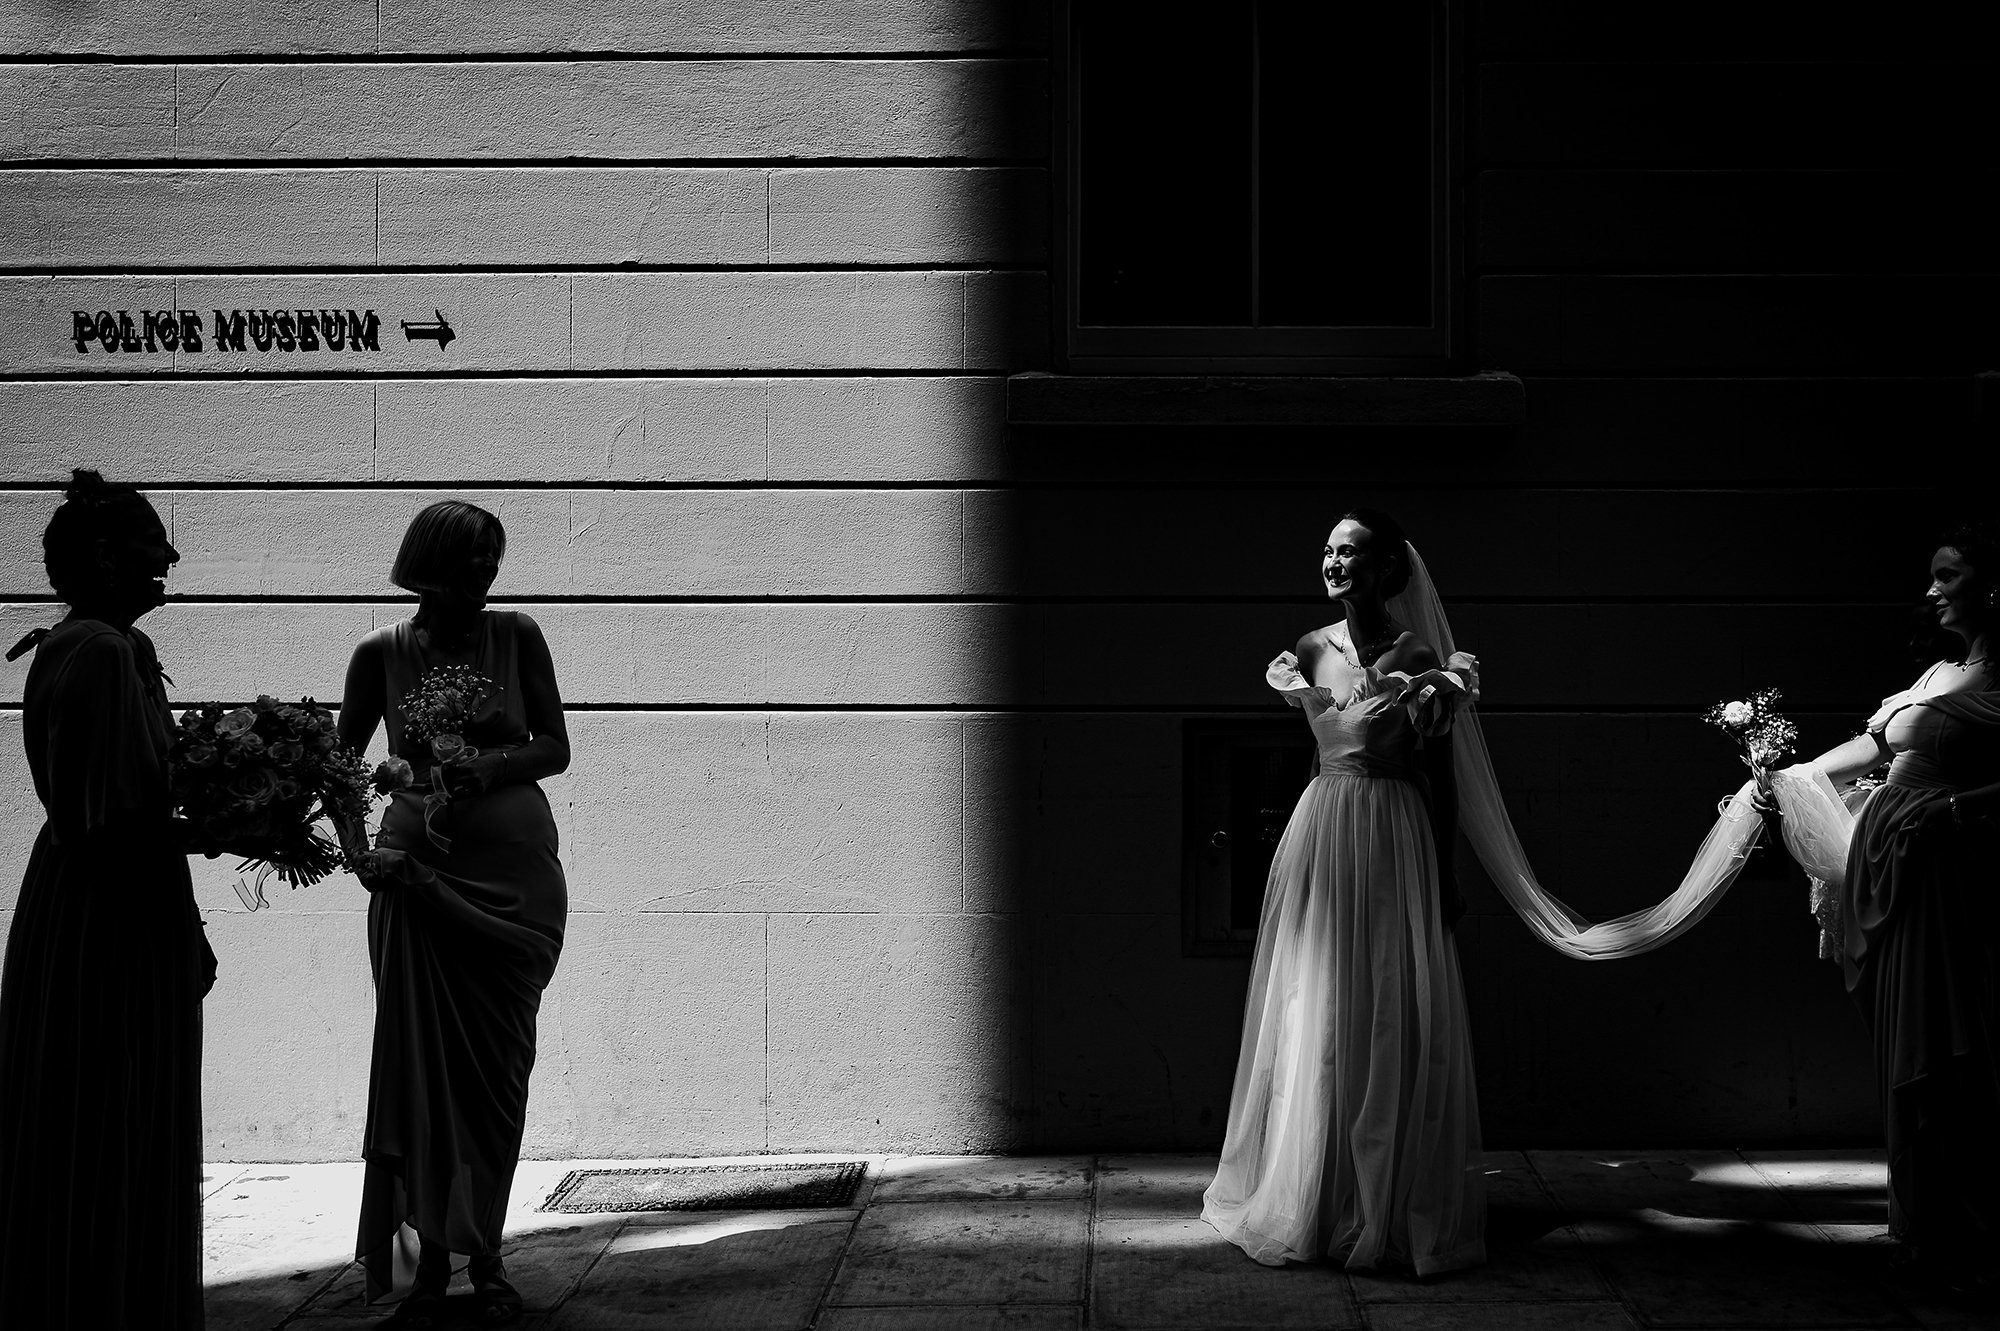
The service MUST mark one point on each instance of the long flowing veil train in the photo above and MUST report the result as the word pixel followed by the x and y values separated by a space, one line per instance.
pixel 1816 826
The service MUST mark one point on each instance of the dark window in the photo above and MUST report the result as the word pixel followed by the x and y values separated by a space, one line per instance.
pixel 1242 780
pixel 1267 182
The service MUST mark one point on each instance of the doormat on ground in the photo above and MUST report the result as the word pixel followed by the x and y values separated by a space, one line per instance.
pixel 774 1187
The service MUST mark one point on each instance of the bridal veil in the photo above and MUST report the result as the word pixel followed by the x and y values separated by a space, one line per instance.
pixel 1816 825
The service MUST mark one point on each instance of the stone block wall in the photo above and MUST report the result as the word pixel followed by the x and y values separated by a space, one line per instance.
pixel 733 289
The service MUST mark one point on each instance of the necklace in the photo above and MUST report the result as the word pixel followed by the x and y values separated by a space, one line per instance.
pixel 1364 652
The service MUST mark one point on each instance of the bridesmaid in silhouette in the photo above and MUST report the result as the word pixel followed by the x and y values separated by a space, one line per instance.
pixel 462 940
pixel 100 1005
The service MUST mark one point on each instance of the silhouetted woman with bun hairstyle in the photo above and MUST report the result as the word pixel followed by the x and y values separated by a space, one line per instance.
pixel 465 925
pixel 100 1005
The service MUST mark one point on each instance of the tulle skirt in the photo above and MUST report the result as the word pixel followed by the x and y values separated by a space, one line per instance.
pixel 1353 1127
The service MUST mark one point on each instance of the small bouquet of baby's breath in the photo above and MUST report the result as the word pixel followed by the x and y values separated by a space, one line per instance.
pixel 441 705
pixel 1764 735
pixel 437 711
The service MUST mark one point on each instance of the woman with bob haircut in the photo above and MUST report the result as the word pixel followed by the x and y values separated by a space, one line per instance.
pixel 465 923
pixel 100 1007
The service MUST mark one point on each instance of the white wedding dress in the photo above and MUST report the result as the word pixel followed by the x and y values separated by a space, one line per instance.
pixel 1353 1127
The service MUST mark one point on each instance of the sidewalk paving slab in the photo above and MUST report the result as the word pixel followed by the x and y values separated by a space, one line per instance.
pixel 730 1271
pixel 1503 1317
pixel 1704 1239
pixel 1532 1253
pixel 951 1319
pixel 972 1178
pixel 1153 1185
pixel 1177 1272
pixel 1577 1241
pixel 961 1252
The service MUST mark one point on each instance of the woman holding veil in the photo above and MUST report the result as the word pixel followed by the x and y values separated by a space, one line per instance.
pixel 1354 1121
pixel 1919 915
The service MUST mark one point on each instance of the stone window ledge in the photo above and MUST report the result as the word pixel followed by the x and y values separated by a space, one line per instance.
pixel 1494 398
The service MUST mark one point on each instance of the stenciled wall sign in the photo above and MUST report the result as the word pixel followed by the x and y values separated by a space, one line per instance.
pixel 120 332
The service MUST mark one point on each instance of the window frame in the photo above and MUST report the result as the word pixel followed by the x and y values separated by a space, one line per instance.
pixel 1101 349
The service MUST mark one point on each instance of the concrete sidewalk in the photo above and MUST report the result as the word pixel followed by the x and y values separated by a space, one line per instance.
pixel 1592 1240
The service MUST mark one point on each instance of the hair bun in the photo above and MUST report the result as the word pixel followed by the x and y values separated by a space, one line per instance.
pixel 86 486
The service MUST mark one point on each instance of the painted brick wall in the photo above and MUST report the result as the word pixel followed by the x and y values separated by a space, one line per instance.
pixel 734 288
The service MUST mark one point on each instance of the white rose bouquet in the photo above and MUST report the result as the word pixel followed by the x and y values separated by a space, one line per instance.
pixel 1765 736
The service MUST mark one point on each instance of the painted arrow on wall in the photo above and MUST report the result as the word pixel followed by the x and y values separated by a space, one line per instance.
pixel 439 332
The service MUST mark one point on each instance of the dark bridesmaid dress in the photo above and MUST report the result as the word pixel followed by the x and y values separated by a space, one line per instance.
pixel 100 1009
pixel 1921 921
pixel 461 955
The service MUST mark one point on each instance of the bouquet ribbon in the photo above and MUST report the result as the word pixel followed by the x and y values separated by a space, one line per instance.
pixel 436 802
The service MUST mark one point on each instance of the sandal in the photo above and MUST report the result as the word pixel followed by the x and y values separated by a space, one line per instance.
pixel 422 1309
pixel 495 1301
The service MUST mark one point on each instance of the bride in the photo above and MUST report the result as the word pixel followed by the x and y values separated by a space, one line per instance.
pixel 1353 1126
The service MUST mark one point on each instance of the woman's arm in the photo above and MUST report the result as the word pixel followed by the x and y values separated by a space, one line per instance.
pixel 1856 758
pixel 547 751
pixel 364 696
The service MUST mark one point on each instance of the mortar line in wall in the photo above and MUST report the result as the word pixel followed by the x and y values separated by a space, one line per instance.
pixel 964 807
pixel 1192 710
pixel 1133 600
pixel 767 1032
pixel 53 164
pixel 518 373
pixel 1473 430
pixel 972 266
pixel 992 55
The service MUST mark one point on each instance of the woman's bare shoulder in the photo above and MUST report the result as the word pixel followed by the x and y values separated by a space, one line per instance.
pixel 1316 641
pixel 374 645
pixel 1409 654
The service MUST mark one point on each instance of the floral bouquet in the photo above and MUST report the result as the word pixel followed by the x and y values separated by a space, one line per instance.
pixel 1815 829
pixel 437 710
pixel 265 775
pixel 1765 737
